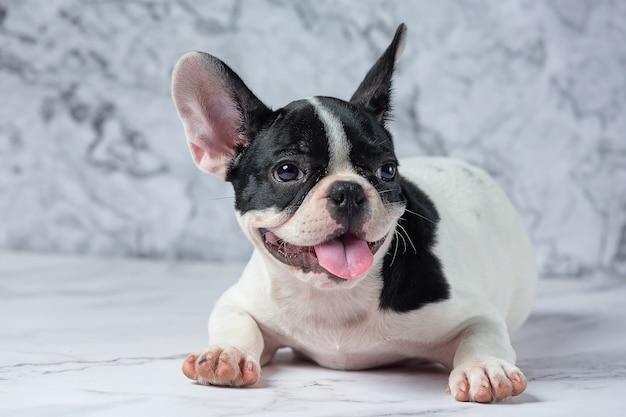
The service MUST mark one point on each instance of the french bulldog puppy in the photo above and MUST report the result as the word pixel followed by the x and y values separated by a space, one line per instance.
pixel 360 260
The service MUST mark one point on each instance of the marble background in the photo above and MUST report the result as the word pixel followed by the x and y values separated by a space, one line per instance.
pixel 93 158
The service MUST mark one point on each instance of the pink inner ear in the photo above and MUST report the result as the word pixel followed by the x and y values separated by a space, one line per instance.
pixel 208 112
pixel 201 157
pixel 211 127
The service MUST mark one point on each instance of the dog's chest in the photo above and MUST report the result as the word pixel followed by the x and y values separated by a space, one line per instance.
pixel 356 347
pixel 340 329
pixel 375 339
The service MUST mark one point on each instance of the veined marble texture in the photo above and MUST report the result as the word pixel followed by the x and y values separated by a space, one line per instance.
pixel 83 336
pixel 93 158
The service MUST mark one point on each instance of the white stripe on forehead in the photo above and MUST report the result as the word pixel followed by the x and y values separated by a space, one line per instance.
pixel 338 145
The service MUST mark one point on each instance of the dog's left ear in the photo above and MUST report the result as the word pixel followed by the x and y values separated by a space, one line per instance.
pixel 375 90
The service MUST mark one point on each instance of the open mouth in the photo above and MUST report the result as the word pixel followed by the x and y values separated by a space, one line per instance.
pixel 344 256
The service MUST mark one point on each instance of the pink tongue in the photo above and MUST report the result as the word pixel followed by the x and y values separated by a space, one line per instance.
pixel 346 257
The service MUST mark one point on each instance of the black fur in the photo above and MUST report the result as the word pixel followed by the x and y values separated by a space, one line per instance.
pixel 293 134
pixel 374 92
pixel 412 274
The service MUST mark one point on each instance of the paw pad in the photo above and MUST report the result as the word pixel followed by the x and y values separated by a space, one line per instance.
pixel 217 366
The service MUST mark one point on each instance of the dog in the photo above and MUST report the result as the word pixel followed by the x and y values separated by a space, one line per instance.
pixel 359 260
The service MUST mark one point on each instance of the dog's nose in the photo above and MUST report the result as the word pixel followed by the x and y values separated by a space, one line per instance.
pixel 347 198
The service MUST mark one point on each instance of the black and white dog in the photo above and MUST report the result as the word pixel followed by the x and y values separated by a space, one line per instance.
pixel 359 262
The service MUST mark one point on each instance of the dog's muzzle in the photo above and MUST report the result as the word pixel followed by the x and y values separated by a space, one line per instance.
pixel 344 256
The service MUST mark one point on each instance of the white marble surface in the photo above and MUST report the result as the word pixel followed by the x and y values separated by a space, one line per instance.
pixel 93 159
pixel 97 337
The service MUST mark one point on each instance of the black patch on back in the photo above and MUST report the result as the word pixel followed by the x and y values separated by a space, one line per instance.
pixel 413 277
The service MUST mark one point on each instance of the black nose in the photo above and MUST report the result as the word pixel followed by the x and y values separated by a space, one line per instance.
pixel 347 199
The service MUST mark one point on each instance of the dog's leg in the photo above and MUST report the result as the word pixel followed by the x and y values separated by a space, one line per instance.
pixel 234 357
pixel 483 365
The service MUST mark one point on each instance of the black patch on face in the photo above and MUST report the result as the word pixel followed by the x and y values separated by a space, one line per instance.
pixel 413 278
pixel 294 135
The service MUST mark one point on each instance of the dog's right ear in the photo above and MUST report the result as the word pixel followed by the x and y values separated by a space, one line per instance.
pixel 218 111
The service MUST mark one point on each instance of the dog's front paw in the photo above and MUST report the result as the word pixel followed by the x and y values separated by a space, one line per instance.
pixel 486 380
pixel 217 366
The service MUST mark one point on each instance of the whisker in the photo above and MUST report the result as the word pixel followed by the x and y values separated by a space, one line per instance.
pixel 408 237
pixel 384 191
pixel 222 198
pixel 419 215
pixel 403 239
pixel 395 249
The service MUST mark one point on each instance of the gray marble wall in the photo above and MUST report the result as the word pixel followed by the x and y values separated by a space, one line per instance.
pixel 93 158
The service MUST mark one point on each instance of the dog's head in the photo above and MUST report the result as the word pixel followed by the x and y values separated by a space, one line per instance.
pixel 316 182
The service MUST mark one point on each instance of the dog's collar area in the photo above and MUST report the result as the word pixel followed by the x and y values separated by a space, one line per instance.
pixel 343 256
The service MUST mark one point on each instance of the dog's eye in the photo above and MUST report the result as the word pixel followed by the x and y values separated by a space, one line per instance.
pixel 288 172
pixel 387 172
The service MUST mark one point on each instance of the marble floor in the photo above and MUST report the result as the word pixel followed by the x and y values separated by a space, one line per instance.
pixel 97 337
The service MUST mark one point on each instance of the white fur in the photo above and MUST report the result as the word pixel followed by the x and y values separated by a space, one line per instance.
pixel 338 145
pixel 487 260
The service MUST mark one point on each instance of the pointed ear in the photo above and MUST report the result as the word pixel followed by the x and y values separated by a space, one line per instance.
pixel 218 111
pixel 374 92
